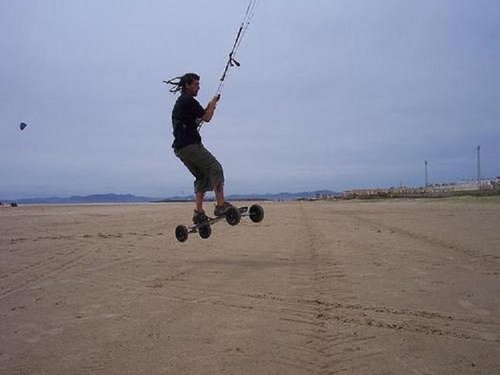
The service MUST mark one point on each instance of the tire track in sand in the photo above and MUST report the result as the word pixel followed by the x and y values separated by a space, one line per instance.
pixel 26 276
pixel 475 254
pixel 316 274
pixel 74 253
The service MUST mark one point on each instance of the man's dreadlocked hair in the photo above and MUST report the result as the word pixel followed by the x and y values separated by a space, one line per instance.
pixel 179 83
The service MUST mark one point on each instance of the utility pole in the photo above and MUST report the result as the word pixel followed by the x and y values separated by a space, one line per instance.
pixel 478 166
pixel 426 184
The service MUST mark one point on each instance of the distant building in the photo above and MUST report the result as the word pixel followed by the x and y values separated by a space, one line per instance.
pixel 431 189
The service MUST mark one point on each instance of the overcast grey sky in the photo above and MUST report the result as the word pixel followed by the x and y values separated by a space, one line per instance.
pixel 330 94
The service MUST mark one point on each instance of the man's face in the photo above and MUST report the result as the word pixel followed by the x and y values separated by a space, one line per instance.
pixel 193 88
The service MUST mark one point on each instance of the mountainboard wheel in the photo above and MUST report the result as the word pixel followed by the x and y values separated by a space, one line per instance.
pixel 205 231
pixel 181 233
pixel 233 216
pixel 256 213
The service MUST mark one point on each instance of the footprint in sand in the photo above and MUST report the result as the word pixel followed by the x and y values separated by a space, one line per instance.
pixel 465 304
pixel 469 306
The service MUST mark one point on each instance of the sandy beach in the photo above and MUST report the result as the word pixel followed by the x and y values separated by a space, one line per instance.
pixel 382 287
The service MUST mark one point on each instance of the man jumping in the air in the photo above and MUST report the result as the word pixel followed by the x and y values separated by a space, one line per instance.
pixel 186 116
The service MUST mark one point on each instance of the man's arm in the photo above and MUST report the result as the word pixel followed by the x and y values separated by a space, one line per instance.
pixel 209 111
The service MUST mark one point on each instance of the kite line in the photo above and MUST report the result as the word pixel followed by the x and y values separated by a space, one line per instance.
pixel 231 61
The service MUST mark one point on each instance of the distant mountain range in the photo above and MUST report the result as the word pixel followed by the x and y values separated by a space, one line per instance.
pixel 263 197
pixel 96 198
pixel 129 198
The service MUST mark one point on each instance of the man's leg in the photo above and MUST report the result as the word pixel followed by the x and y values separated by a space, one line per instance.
pixel 222 206
pixel 199 201
pixel 188 156
pixel 219 193
pixel 209 176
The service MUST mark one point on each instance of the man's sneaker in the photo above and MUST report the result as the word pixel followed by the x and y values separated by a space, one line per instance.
pixel 199 217
pixel 222 210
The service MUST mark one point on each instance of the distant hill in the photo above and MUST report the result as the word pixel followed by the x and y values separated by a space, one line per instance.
pixel 129 198
pixel 263 197
pixel 284 196
pixel 96 198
